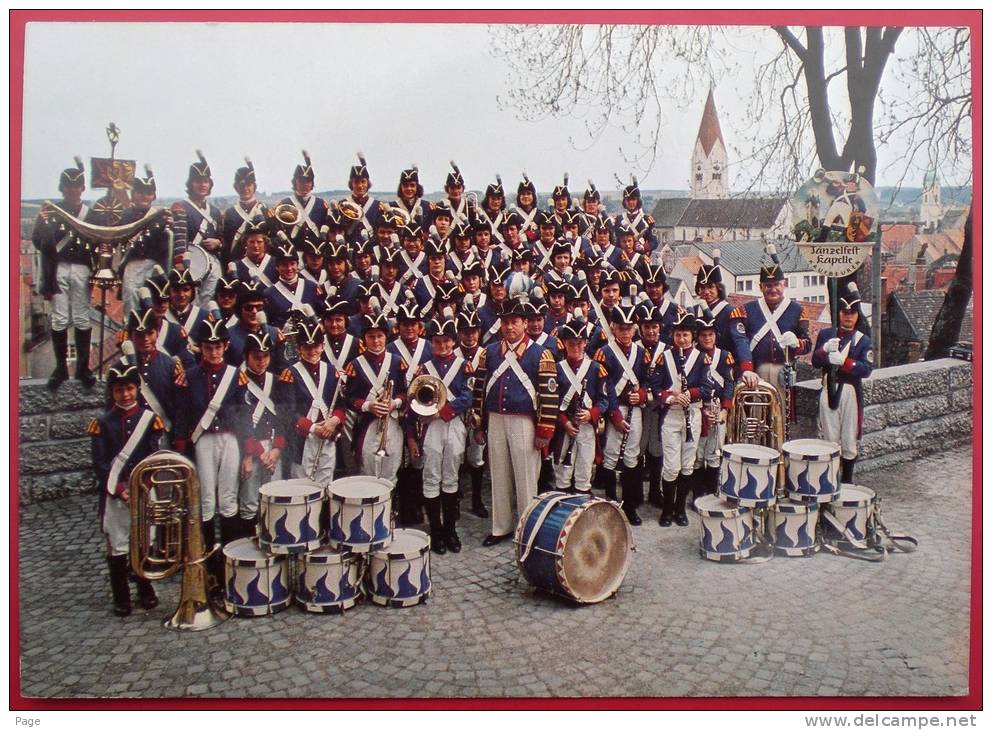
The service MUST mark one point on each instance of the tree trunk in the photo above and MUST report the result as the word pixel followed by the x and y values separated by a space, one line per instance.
pixel 947 326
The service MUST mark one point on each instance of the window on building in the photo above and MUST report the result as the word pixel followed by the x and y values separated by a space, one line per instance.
pixel 699 177
pixel 716 175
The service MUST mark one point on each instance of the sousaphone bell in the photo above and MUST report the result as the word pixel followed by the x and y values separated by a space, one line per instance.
pixel 427 395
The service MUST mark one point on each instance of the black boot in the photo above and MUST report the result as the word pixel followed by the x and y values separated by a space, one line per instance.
pixel 146 593
pixel 83 374
pixel 653 468
pixel 60 346
pixel 409 490
pixel 449 507
pixel 599 478
pixel 711 478
pixel 117 565
pixel 247 527
pixel 668 503
pixel 230 529
pixel 432 507
pixel 683 485
pixel 207 528
pixel 847 470
pixel 478 508
pixel 632 493
pixel 609 482
pixel 545 477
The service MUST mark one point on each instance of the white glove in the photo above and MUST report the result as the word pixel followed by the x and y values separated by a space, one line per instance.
pixel 832 345
pixel 836 358
pixel 789 339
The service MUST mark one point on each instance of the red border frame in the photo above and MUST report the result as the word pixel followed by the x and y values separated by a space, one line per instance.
pixel 970 18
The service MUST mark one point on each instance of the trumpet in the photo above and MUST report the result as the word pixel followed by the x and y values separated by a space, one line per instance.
pixel 383 399
pixel 166 536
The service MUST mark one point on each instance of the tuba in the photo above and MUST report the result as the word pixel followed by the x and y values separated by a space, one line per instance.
pixel 756 416
pixel 166 536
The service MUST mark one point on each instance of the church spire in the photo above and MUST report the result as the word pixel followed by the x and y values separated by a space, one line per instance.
pixel 709 127
pixel 709 156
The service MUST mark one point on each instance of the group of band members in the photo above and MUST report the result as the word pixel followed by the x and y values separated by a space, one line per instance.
pixel 564 362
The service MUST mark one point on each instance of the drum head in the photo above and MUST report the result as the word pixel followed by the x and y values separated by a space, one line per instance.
pixel 291 488
pixel 597 552
pixel 407 543
pixel 197 262
pixel 245 549
pixel 853 495
pixel 362 490
pixel 811 449
pixel 714 506
pixel 752 453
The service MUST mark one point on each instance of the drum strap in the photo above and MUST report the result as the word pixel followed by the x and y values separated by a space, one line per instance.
pixel 263 395
pixel 214 405
pixel 627 364
pixel 575 383
pixel 548 506
pixel 130 445
pixel 510 362
pixel 771 321
pixel 318 406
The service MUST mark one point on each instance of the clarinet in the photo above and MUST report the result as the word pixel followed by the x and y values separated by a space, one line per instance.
pixel 573 409
pixel 684 384
pixel 626 435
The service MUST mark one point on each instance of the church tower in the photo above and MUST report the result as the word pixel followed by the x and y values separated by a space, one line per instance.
pixel 708 176
pixel 931 211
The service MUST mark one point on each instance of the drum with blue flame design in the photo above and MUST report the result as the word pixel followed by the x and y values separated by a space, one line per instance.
pixel 574 545
pixel 794 528
pixel 328 581
pixel 255 583
pixel 289 516
pixel 848 518
pixel 726 531
pixel 400 575
pixel 747 474
pixel 360 514
pixel 812 469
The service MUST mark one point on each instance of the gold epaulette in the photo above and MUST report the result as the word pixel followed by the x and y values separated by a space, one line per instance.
pixel 730 359
pixel 599 357
pixel 602 372
pixel 286 376
pixel 93 427
pixel 242 378
pixel 158 424
pixel 349 369
pixel 738 313
pixel 178 369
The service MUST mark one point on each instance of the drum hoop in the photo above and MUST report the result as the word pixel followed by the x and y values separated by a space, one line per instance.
pixel 865 501
pixel 749 503
pixel 794 508
pixel 795 456
pixel 361 501
pixel 295 499
pixel 731 511
pixel 754 460
pixel 196 248
pixel 566 528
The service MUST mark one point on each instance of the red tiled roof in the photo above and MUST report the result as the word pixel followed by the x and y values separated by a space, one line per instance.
pixel 709 127
pixel 897 235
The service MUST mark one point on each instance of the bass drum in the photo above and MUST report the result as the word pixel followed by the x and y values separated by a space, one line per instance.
pixel 574 545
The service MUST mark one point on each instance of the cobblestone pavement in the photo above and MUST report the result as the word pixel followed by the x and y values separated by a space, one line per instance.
pixel 679 626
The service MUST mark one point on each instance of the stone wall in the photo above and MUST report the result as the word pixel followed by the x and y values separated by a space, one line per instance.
pixel 53 448
pixel 910 411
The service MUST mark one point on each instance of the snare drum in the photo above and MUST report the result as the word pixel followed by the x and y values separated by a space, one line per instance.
pixel 197 262
pixel 847 519
pixel 794 533
pixel 747 474
pixel 725 530
pixel 255 583
pixel 812 469
pixel 400 575
pixel 574 545
pixel 327 580
pixel 289 516
pixel 361 514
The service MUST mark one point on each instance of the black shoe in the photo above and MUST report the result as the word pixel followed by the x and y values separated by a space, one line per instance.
pixel 146 594
pixel 665 520
pixel 121 589
pixel 681 520
pixel 683 487
pixel 494 540
pixel 432 507
pixel 450 514
pixel 632 517
pixel 478 508
pixel 58 376
pixel 60 347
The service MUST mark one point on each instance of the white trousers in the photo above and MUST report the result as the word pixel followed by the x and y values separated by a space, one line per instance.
pixel 513 467
pixel 394 450
pixel 583 455
pixel 248 491
pixel 632 449
pixel 71 306
pixel 770 372
pixel 474 453
pixel 218 461
pixel 650 437
pixel 136 273
pixel 708 453
pixel 117 525
pixel 324 471
pixel 444 449
pixel 840 426
pixel 679 455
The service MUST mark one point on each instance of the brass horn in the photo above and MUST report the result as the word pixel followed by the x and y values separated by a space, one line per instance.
pixel 166 536
pixel 287 214
pixel 101 234
pixel 756 416
pixel 427 395
pixel 351 211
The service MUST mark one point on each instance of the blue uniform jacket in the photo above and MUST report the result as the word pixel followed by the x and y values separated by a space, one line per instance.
pixel 748 320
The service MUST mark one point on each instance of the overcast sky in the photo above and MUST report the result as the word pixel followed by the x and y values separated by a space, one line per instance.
pixel 400 93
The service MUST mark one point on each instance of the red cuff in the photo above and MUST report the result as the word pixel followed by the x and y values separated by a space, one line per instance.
pixel 663 396
pixel 544 432
pixel 594 414
pixel 180 445
pixel 446 413
pixel 642 396
pixel 120 489
pixel 339 414
pixel 303 425
pixel 616 417
pixel 253 447
pixel 279 442
pixel 563 418
pixel 694 394
pixel 726 404
pixel 747 366
pixel 848 366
